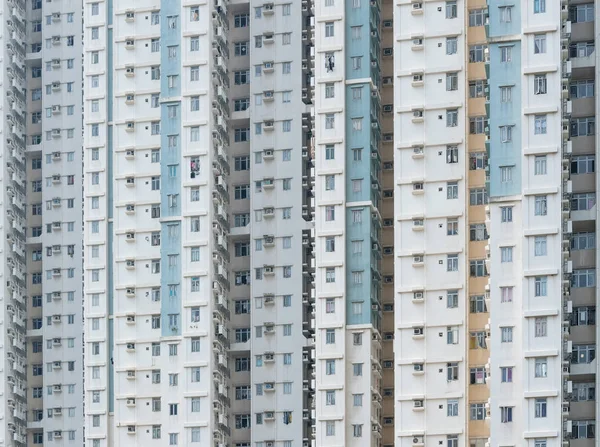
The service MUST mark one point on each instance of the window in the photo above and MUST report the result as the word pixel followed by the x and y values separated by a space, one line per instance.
pixel 583 127
pixel 477 17
pixel 506 334
pixel 478 232
pixel 477 375
pixel 506 294
pixel 506 94
pixel 505 14
pixel 583 354
pixel 583 164
pixel 357 369
pixel 451 9
pixel 478 196
pixel 241 48
pixel 582 89
pixel 451 371
pixel 451 335
pixel 539 7
pixel 506 414
pixel 329 428
pixel 477 88
pixel 541 407
pixel 452 190
pixel 451 118
pixel 477 412
pixel 581 13
pixel 451 81
pixel 541 286
pixel 330 275
pixel 506 254
pixel 506 134
pixel 506 374
pixel 584 429
pixel 583 201
pixel 583 278
pixel 477 268
pixel 329 29
pixel 506 174
pixel 505 54
pixel 241 77
pixel 540 245
pixel 451 45
pixel 477 304
pixel 452 263
pixel 477 160
pixel 540 124
pixel 541 205
pixel 584 391
pixel 452 227
pixel 477 125
pixel 540 84
pixel 541 367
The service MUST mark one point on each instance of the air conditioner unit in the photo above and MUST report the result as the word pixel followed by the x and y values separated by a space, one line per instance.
pixel 56 16
pixel 56 155
pixel 130 208
pixel 418 367
pixel 418 404
pixel 417 5
pixel 56 365
pixel 269 415
pixel 130 180
pixel 388 108
pixel 418 186
pixel 130 346
pixel 131 374
pixel 130 125
pixel 269 386
pixel 418 113
pixel 418 440
pixel 129 15
pixel 418 295
pixel 268 65
pixel 269 444
pixel 57 411
pixel 56 132
pixel 130 153
pixel 56 40
pixel 56 318
pixel 130 235
pixel 129 42
pixel 418 259
pixel 131 429
pixel 388 279
pixel 269 356
pixel 56 249
pixel 130 263
pixel 269 269
pixel 130 319
pixel 56 86
pixel 268 153
pixel 130 70
pixel 130 402
pixel 129 98
pixel 417 77
pixel 56 341
pixel 55 109
pixel 57 434
pixel 56 63
pixel 417 331
pixel 130 291
pixel 388 80
pixel 57 388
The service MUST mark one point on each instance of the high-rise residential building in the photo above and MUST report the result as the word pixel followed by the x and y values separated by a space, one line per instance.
pixel 495 203
pixel 43 140
pixel 348 221
pixel 198 233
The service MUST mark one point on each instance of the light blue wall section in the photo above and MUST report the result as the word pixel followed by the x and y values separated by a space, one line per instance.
pixel 360 103
pixel 170 172
pixel 504 74
pixel 501 28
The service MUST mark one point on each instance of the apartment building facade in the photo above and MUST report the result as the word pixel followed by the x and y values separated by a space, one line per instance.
pixel 47 147
pixel 519 285
pixel 348 223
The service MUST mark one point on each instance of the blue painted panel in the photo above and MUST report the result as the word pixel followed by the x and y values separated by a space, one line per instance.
pixel 498 25
pixel 170 164
pixel 505 113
